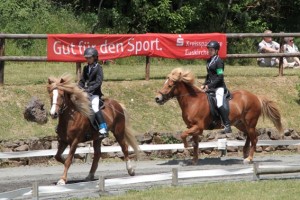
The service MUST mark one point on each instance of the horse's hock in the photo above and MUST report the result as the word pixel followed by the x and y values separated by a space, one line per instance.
pixel 35 111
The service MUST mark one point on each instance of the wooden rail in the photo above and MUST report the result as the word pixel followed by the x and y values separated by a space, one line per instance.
pixel 265 169
pixel 147 68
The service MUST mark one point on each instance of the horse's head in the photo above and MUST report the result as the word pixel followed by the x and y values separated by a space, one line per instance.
pixel 171 87
pixel 167 92
pixel 57 98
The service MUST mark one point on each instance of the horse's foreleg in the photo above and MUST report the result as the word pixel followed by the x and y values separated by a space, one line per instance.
pixel 196 149
pixel 193 130
pixel 97 154
pixel 61 148
pixel 68 163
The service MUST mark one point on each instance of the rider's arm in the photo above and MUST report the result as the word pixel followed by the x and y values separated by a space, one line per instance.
pixel 98 82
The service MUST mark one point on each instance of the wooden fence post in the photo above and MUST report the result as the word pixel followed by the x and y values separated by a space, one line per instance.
pixel 88 157
pixel 174 176
pixel 35 190
pixel 255 172
pixel 2 53
pixel 102 184
pixel 147 76
pixel 281 58
pixel 78 71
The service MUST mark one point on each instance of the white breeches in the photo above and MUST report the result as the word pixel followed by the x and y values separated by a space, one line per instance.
pixel 95 103
pixel 219 96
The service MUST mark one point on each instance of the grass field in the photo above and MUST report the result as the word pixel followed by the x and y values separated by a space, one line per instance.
pixel 273 190
pixel 125 83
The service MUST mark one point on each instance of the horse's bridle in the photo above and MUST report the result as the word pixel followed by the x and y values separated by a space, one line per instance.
pixel 166 97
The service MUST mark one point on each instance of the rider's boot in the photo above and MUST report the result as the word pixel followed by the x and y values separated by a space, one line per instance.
pixel 103 130
pixel 226 121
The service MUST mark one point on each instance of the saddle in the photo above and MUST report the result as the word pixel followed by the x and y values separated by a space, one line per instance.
pixel 212 101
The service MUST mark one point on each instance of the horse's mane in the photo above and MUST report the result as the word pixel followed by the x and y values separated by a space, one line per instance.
pixel 79 98
pixel 181 75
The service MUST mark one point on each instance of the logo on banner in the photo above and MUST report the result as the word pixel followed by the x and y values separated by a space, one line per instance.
pixel 179 41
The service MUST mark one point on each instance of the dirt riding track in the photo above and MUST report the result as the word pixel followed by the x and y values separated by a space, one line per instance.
pixel 22 177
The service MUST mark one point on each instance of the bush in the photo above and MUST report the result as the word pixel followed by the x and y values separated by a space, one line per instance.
pixel 35 16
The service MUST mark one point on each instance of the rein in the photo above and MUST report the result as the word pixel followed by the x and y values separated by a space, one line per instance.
pixel 167 97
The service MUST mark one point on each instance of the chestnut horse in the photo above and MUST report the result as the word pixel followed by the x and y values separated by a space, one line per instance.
pixel 72 107
pixel 245 109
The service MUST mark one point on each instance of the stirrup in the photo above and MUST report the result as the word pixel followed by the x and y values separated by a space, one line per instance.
pixel 227 129
pixel 103 133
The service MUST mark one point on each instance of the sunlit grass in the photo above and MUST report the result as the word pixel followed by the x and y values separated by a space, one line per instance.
pixel 29 79
pixel 273 190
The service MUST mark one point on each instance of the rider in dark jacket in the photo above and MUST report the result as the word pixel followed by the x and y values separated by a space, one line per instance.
pixel 91 81
pixel 215 81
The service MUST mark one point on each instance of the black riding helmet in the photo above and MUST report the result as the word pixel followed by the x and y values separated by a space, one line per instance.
pixel 213 44
pixel 91 52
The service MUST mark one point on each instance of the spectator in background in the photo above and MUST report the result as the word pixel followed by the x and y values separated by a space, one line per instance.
pixel 290 47
pixel 267 45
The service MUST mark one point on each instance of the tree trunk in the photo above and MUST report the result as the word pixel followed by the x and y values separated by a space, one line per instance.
pixel 224 25
pixel 97 24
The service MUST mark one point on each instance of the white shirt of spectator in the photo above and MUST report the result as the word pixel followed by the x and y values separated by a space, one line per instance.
pixel 267 61
pixel 290 49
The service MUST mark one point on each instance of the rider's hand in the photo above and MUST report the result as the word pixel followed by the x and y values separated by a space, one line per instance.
pixel 204 87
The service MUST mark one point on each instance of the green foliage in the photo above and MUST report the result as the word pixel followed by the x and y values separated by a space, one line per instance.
pixel 35 16
pixel 142 16
pixel 170 140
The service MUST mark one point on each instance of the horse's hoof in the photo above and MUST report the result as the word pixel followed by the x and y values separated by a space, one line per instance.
pixel 90 178
pixel 190 162
pixel 194 162
pixel 131 172
pixel 247 161
pixel 61 182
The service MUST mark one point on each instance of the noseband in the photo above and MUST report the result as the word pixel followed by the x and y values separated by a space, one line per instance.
pixel 166 97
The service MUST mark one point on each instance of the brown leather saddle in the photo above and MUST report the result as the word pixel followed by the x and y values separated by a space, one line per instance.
pixel 212 101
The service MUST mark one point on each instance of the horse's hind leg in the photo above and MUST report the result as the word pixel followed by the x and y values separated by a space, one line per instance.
pixel 251 121
pixel 119 134
pixel 253 138
pixel 97 154
pixel 246 147
pixel 61 148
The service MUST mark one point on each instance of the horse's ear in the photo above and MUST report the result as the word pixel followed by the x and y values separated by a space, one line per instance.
pixel 50 81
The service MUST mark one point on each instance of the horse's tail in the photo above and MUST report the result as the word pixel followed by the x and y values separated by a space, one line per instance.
pixel 129 136
pixel 270 109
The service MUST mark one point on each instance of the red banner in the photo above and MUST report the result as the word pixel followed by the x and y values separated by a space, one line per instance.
pixel 70 47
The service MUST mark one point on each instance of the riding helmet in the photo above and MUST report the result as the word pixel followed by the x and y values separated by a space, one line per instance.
pixel 90 52
pixel 213 44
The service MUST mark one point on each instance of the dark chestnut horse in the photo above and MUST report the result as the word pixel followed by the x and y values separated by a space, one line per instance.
pixel 245 109
pixel 72 107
